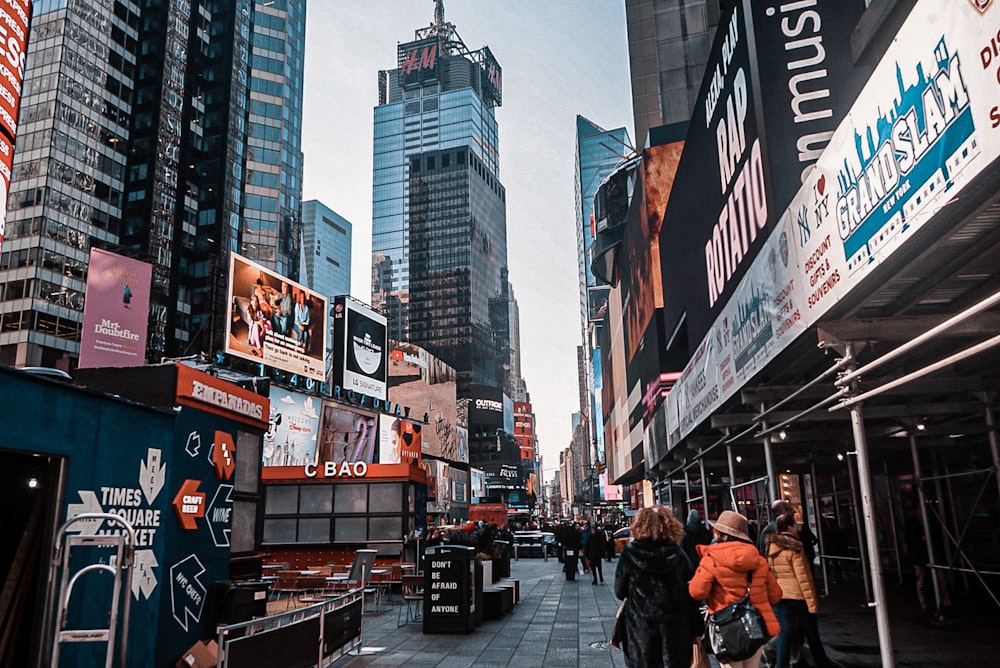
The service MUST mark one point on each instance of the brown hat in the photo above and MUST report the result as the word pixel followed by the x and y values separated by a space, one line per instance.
pixel 732 524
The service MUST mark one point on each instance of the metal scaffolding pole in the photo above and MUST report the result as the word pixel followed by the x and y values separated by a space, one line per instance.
pixel 732 473
pixel 925 520
pixel 772 478
pixel 874 562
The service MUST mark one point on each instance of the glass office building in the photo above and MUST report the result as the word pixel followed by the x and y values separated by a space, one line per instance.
pixel 134 138
pixel 439 239
pixel 598 152
pixel 326 243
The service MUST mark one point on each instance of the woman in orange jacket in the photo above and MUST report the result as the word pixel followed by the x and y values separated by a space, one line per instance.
pixel 786 555
pixel 721 577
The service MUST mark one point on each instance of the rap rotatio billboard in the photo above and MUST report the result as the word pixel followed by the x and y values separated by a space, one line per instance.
pixel 777 81
pixel 926 124
pixel 275 320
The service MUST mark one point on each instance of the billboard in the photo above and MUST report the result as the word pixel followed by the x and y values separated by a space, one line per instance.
pixel 524 429
pixel 275 321
pixel 924 127
pixel 399 440
pixel 418 61
pixel 360 357
pixel 293 432
pixel 768 103
pixel 597 302
pixel 486 407
pixel 347 435
pixel 116 311
pixel 417 378
pixel 14 15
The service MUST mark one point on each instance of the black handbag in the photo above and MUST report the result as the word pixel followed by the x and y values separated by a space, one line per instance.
pixel 736 631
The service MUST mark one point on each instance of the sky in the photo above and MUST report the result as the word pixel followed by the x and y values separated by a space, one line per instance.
pixel 560 59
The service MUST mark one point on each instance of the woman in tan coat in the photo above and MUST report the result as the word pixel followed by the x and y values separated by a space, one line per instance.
pixel 786 556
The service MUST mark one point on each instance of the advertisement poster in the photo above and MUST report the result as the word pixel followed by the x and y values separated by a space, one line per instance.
pixel 347 435
pixel 116 313
pixel 275 321
pixel 399 440
pixel 925 125
pixel 292 439
pixel 418 379
pixel 360 348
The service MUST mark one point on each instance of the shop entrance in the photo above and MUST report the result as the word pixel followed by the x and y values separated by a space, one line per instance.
pixel 29 488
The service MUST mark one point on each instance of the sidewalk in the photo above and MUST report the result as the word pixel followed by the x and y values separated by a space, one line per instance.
pixel 560 623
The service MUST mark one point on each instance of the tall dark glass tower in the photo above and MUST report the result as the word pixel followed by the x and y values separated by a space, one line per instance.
pixel 439 212
pixel 164 131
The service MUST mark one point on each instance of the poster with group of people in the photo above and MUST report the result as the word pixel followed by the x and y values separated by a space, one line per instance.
pixel 276 321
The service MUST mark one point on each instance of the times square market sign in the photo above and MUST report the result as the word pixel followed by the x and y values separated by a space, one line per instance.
pixel 926 124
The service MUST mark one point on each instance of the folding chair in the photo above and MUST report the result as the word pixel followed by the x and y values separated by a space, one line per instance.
pixel 413 599
pixel 287 583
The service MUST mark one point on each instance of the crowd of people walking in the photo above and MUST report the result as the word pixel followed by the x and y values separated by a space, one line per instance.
pixel 671 576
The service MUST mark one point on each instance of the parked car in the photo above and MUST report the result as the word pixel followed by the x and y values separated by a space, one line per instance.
pixel 621 537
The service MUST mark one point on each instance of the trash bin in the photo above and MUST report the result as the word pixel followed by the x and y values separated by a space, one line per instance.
pixel 449 589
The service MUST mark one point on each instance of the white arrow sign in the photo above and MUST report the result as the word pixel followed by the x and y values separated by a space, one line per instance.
pixel 193 445
pixel 152 475
pixel 144 577
pixel 220 515
pixel 90 505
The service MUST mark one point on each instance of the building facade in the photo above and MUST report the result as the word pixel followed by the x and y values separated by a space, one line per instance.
pixel 436 108
pixel 326 245
pixel 134 139
pixel 598 151
pixel 668 46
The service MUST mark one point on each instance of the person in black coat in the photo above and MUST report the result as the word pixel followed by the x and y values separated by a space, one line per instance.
pixel 659 620
pixel 572 549
pixel 695 533
pixel 596 545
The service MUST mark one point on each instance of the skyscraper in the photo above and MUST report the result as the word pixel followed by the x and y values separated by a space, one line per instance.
pixel 134 138
pixel 668 46
pixel 326 244
pixel 598 151
pixel 439 235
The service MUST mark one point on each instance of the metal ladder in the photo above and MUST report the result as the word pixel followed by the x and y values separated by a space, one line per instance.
pixel 124 545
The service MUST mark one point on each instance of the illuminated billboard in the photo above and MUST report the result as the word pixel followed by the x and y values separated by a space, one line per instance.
pixel 14 16
pixel 116 313
pixel 294 429
pixel 347 435
pixel 399 440
pixel 417 378
pixel 359 348
pixel 275 321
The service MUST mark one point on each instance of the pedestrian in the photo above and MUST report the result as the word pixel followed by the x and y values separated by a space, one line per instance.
pixel 723 572
pixel 781 507
pixel 584 533
pixel 660 621
pixel 609 542
pixel 695 533
pixel 571 552
pixel 799 603
pixel 919 554
pixel 596 545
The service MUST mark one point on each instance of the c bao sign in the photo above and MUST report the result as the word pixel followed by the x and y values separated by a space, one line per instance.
pixel 337 470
